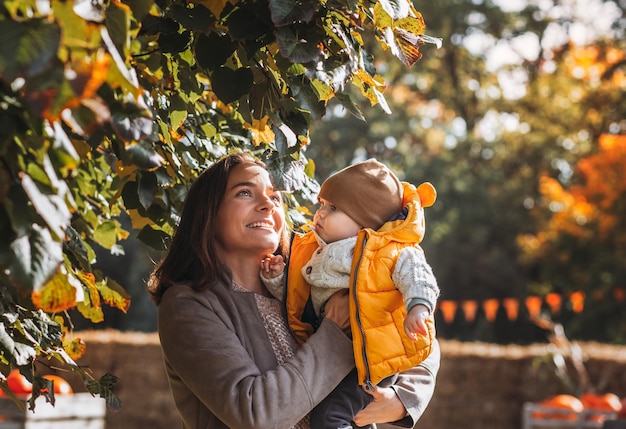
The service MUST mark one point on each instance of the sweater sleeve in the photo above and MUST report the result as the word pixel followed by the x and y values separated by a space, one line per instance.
pixel 221 366
pixel 274 285
pixel 414 277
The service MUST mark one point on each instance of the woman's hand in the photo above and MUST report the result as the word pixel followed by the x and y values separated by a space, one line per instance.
pixel 385 407
pixel 337 309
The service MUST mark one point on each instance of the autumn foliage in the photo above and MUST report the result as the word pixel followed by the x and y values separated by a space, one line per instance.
pixel 581 219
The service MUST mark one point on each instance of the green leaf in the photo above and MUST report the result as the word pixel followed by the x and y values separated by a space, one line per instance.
pixel 52 208
pixel 147 189
pixel 118 23
pixel 106 234
pixel 299 42
pixel 153 25
pixel 144 156
pixel 286 12
pixel 36 258
pixel 27 48
pixel 175 42
pixel 154 238
pixel 132 126
pixel 196 18
pixel 287 173
pixel 230 85
pixel 308 99
pixel 347 102
pixel 104 388
pixel 250 21
pixel 139 8
pixel 75 246
pixel 130 195
pixel 213 50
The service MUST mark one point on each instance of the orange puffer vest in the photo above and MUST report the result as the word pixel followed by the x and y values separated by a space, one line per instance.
pixel 377 309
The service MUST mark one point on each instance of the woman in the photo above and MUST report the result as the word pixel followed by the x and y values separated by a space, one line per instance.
pixel 230 360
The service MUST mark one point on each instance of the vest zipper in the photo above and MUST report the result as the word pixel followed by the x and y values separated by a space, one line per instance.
pixel 368 380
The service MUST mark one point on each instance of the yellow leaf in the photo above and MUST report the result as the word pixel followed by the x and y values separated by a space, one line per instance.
pixel 324 92
pixel 124 170
pixel 261 132
pixel 93 314
pixel 92 297
pixel 74 348
pixel 381 17
pixel 57 295
pixel 114 295
pixel 137 220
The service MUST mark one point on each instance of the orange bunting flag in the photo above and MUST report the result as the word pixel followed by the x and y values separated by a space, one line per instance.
pixel 578 301
pixel 554 301
pixel 533 305
pixel 511 305
pixel 490 307
pixel 469 309
pixel 618 294
pixel 448 308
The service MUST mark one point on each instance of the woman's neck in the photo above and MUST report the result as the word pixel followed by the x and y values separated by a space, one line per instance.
pixel 246 273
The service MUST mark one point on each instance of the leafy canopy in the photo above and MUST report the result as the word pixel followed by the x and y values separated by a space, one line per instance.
pixel 109 109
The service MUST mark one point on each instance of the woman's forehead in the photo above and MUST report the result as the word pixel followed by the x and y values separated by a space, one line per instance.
pixel 250 173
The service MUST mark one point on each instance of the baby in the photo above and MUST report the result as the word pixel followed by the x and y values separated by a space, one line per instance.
pixel 364 203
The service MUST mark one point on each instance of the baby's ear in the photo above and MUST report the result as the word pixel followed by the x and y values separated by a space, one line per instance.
pixel 427 194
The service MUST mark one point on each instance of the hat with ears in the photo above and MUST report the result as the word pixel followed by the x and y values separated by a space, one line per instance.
pixel 368 192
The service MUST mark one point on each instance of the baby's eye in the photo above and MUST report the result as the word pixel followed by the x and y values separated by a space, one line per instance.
pixel 277 199
pixel 333 208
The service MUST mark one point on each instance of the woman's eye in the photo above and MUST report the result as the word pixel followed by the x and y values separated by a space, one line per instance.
pixel 244 192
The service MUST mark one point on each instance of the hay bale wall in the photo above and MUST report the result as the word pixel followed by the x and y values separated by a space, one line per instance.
pixel 480 386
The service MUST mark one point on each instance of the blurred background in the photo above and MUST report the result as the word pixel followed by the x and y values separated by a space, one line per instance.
pixel 519 121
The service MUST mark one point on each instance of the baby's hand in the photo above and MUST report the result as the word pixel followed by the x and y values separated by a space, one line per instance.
pixel 415 322
pixel 272 266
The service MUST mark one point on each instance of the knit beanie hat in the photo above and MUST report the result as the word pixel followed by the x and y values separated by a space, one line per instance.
pixel 368 192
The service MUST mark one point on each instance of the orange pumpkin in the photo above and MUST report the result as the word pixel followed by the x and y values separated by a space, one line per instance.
pixel 621 414
pixel 18 383
pixel 601 402
pixel 61 386
pixel 568 405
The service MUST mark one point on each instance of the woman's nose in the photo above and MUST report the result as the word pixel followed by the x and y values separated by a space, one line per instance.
pixel 267 203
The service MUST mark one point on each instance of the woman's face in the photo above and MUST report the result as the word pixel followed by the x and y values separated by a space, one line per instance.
pixel 250 219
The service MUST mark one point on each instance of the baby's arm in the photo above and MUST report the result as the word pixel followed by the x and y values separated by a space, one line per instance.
pixel 415 322
pixel 272 268
pixel 414 277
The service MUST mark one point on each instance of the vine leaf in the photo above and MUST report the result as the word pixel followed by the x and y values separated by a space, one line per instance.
pixel 286 12
pixel 230 85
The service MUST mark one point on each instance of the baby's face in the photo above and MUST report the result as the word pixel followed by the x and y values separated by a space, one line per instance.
pixel 332 224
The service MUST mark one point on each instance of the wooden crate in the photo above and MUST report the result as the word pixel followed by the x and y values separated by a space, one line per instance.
pixel 584 420
pixel 77 411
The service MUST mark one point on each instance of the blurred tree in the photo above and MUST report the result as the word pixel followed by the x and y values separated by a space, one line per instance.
pixel 515 94
pixel 581 242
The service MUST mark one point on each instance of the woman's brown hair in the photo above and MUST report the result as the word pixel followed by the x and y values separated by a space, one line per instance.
pixel 191 257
